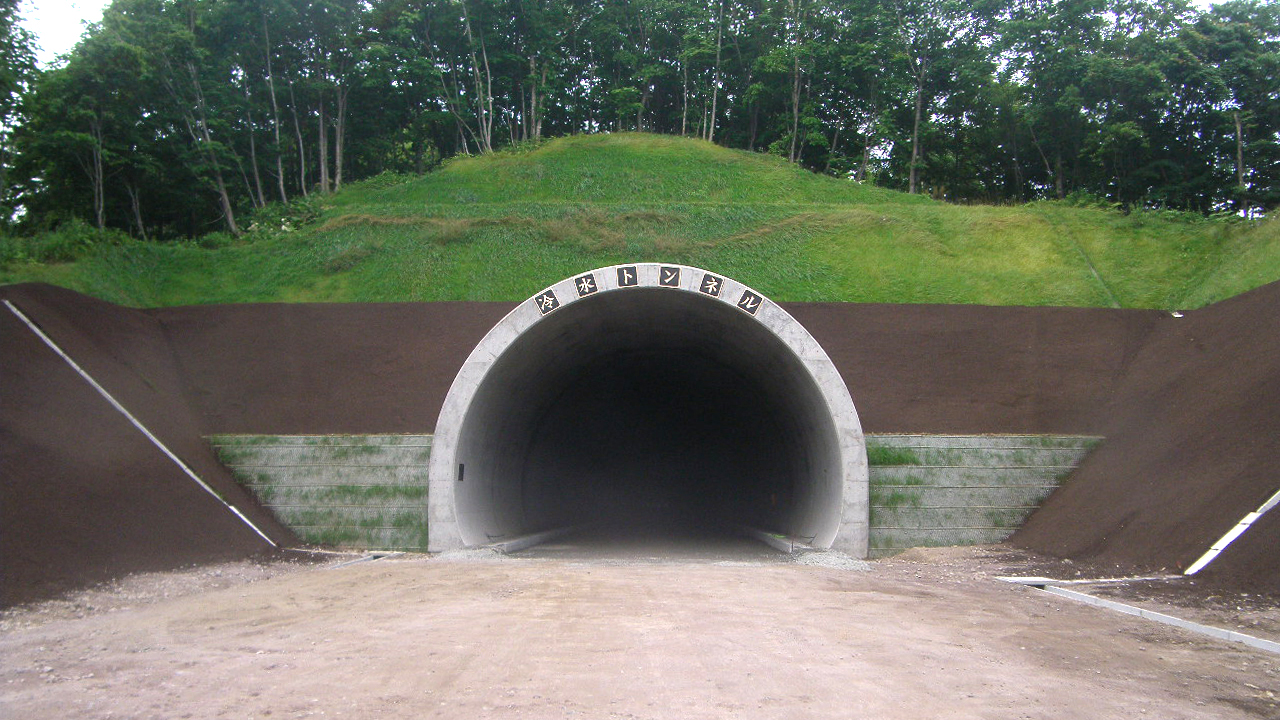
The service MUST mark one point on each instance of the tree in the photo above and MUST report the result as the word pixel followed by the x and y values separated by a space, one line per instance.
pixel 17 73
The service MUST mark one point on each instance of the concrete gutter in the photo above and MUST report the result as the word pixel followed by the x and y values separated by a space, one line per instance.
pixel 776 541
pixel 367 558
pixel 1052 586
pixel 525 542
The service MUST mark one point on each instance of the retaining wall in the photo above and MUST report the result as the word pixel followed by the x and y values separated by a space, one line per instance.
pixel 347 491
pixel 365 492
pixel 935 490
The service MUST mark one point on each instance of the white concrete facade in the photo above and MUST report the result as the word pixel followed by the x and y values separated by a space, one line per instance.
pixel 835 511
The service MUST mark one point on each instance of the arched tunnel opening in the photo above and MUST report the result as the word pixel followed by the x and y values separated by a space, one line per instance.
pixel 647 411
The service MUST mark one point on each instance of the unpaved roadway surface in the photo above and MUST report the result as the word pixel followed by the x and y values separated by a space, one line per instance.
pixel 928 635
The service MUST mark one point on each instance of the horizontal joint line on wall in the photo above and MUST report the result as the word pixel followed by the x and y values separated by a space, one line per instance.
pixel 978 449
pixel 367 506
pixel 331 484
pixel 269 445
pixel 236 466
pixel 956 507
pixel 975 467
pixel 936 529
pixel 968 487
pixel 410 528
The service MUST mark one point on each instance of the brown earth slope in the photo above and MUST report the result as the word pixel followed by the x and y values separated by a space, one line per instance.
pixel 323 368
pixel 1193 433
pixel 84 496
pixel 911 368
pixel 1188 406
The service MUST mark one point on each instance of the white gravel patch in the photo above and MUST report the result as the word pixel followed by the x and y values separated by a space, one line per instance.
pixel 832 559
pixel 474 554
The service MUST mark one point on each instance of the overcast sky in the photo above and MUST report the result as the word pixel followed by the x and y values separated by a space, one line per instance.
pixel 58 24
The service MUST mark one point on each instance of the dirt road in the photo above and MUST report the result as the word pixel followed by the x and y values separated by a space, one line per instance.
pixel 932 635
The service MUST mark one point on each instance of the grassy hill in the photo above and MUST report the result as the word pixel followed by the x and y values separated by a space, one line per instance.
pixel 503 226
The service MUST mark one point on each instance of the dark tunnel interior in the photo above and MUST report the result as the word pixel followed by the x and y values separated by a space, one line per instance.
pixel 647 411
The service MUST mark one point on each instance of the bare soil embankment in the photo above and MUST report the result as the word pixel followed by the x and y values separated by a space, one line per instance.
pixel 84 496
pixel 1187 405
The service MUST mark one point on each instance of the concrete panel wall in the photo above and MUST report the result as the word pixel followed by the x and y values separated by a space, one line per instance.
pixel 369 492
pixel 358 492
pixel 933 490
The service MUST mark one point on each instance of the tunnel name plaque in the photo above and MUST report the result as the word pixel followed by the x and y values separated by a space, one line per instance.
pixel 634 276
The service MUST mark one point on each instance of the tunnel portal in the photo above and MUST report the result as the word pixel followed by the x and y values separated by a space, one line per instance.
pixel 648 396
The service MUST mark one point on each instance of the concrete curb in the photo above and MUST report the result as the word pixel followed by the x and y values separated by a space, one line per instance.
pixel 777 542
pixel 527 541
pixel 1049 586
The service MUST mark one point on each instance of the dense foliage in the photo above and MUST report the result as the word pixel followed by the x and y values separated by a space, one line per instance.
pixel 177 117
pixel 17 70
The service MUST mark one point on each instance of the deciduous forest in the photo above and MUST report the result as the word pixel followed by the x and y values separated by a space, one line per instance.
pixel 174 118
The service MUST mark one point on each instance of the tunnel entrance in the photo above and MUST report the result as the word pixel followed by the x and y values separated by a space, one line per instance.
pixel 647 399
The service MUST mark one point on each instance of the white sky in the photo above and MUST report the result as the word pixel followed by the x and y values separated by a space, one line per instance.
pixel 58 24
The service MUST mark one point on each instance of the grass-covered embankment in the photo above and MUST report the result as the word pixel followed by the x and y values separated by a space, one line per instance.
pixel 503 226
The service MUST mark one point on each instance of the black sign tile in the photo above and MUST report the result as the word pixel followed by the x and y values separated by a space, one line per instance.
pixel 750 302
pixel 628 277
pixel 547 302
pixel 711 285
pixel 586 285
pixel 669 276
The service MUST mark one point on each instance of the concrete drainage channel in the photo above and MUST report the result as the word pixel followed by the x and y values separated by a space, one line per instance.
pixel 1055 587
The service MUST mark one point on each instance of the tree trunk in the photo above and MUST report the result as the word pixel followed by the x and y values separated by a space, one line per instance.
pixel 302 148
pixel 915 132
pixel 715 78
pixel 684 101
pixel 1017 162
pixel 275 113
pixel 795 107
pixel 244 177
pixel 538 110
pixel 97 175
pixel 322 148
pixel 260 199
pixel 1240 187
pixel 793 155
pixel 224 198
pixel 831 149
pixel 340 139
pixel 135 204
pixel 866 159
pixel 1059 185
pixel 537 78
pixel 196 120
pixel 483 85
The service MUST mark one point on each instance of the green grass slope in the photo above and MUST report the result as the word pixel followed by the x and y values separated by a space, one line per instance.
pixel 503 226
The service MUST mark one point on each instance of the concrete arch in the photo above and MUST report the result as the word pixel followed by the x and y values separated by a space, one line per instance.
pixel 648 389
